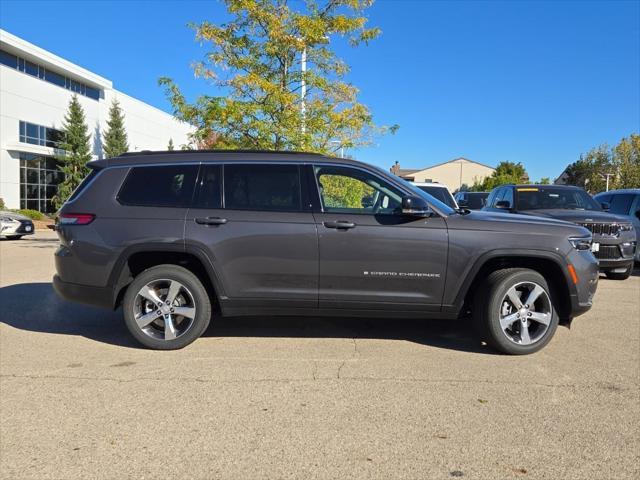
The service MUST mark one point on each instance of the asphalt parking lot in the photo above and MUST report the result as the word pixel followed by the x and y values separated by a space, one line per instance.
pixel 308 398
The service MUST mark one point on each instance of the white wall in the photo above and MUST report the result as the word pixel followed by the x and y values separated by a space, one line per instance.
pixel 27 98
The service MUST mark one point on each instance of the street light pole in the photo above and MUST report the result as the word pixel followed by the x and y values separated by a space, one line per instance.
pixel 303 89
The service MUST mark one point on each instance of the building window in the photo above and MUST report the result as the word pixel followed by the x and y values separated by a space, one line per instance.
pixel 39 180
pixel 40 135
pixel 41 72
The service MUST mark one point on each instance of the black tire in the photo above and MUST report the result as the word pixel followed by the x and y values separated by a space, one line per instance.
pixel 488 304
pixel 619 276
pixel 14 237
pixel 201 300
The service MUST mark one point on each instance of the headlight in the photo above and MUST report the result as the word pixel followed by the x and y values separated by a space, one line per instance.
pixel 581 243
pixel 626 227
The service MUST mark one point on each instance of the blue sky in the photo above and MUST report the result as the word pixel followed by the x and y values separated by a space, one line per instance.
pixel 533 82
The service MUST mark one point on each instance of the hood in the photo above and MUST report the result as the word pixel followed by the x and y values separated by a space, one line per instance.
pixel 13 216
pixel 576 216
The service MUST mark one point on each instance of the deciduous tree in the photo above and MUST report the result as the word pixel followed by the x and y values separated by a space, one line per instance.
pixel 505 172
pixel 262 96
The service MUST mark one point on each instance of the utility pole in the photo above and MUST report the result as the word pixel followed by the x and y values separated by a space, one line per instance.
pixel 303 89
pixel 607 175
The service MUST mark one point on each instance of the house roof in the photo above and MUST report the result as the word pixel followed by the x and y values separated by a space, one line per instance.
pixel 455 160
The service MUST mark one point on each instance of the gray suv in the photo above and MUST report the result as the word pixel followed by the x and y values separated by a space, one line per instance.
pixel 176 237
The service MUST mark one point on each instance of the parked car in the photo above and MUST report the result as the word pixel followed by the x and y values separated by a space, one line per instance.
pixel 439 191
pixel 14 226
pixel 175 236
pixel 471 200
pixel 614 238
pixel 627 204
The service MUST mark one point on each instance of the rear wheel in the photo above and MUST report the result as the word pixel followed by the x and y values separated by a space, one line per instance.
pixel 166 307
pixel 514 311
pixel 14 237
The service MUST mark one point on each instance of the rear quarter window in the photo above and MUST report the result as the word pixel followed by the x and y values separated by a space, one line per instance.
pixel 159 186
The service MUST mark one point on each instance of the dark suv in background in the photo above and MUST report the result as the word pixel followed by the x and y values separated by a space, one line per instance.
pixel 625 203
pixel 614 238
pixel 173 237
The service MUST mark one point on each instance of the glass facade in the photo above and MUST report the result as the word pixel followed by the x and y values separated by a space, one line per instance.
pixel 40 135
pixel 39 179
pixel 38 71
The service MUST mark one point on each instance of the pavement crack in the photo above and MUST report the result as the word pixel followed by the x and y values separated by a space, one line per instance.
pixel 340 369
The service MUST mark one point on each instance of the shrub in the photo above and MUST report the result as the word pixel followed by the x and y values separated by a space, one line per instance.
pixel 2 205
pixel 32 214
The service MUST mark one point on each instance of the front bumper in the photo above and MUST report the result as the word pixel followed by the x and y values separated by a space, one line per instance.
pixel 18 227
pixel 584 289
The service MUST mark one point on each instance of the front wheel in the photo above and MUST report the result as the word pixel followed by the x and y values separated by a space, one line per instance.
pixel 514 311
pixel 166 307
pixel 14 237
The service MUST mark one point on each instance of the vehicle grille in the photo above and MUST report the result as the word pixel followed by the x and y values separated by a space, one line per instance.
pixel 608 252
pixel 610 229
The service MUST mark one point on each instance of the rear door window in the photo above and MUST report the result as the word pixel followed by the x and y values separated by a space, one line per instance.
pixel 209 187
pixel 262 187
pixel 159 186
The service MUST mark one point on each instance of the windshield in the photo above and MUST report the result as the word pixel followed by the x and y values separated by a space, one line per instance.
pixel 546 198
pixel 475 201
pixel 443 207
pixel 440 193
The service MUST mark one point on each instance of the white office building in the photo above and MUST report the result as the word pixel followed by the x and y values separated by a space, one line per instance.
pixel 35 89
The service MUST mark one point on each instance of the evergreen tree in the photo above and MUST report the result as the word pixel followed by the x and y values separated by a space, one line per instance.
pixel 115 138
pixel 170 146
pixel 77 151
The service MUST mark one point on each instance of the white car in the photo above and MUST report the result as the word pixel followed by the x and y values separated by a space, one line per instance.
pixel 14 226
pixel 439 191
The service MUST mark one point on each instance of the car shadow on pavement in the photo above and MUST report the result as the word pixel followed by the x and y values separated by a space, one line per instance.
pixel 35 307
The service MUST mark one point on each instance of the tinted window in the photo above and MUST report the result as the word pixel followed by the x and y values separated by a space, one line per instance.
pixel 54 78
pixel 475 201
pixel 8 59
pixel 262 187
pixel 545 198
pixel 440 193
pixel 497 196
pixel 621 203
pixel 349 190
pixel 83 185
pixel 508 196
pixel 209 191
pixel 170 186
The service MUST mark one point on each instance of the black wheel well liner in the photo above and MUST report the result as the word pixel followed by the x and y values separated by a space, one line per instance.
pixel 138 258
pixel 551 266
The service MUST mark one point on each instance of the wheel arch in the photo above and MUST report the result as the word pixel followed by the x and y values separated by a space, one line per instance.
pixel 138 258
pixel 550 265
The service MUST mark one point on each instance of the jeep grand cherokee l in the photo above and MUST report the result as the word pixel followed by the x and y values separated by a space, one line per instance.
pixel 614 238
pixel 174 237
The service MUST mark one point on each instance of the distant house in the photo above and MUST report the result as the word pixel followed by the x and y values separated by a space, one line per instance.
pixel 454 174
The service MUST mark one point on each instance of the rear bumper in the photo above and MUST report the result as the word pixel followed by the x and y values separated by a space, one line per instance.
pixel 96 296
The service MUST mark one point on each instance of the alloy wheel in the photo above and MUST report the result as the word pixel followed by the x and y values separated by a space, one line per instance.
pixel 525 313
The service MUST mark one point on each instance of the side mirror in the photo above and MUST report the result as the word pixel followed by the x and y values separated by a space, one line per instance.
pixel 605 206
pixel 503 205
pixel 463 202
pixel 415 207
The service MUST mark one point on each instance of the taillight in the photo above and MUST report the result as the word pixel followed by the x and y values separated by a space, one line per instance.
pixel 76 218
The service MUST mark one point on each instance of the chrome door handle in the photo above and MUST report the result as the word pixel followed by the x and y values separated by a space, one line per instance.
pixel 211 221
pixel 339 224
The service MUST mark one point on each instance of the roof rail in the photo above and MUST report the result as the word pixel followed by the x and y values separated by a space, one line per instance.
pixel 163 152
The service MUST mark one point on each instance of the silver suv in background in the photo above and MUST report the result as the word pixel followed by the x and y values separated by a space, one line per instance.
pixel 438 191
pixel 627 204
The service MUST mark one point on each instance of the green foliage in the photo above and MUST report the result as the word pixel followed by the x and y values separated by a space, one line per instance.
pixel 621 162
pixel 545 181
pixel 505 172
pixel 170 146
pixel 32 214
pixel 255 62
pixel 77 151
pixel 115 138
pixel 344 192
pixel 2 205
